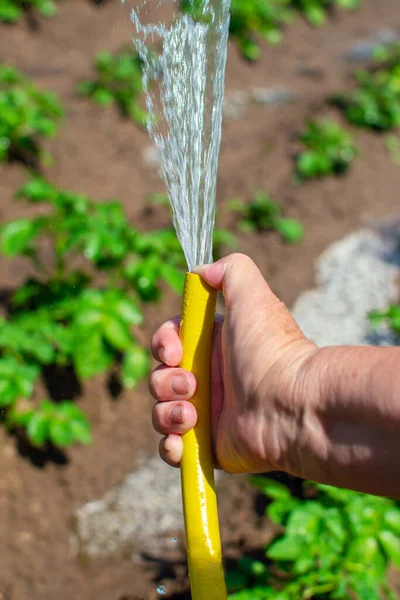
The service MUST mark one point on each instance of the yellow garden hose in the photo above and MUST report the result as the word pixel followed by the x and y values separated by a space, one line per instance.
pixel 197 473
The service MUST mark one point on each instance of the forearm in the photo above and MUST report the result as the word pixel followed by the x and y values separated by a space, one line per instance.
pixel 351 428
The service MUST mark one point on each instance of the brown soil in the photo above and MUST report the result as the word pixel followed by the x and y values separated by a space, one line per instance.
pixel 100 153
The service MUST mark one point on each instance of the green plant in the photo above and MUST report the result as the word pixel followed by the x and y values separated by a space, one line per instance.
pixel 329 150
pixel 265 213
pixel 389 316
pixel 254 19
pixel 375 102
pixel 12 10
pixel 222 239
pixel 315 11
pixel 61 424
pixel 251 19
pixel 336 544
pixel 26 115
pixel 118 80
pixel 83 316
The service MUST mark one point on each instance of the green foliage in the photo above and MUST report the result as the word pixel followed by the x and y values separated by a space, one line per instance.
pixel 336 544
pixel 222 239
pixel 81 317
pixel 255 19
pixel 315 11
pixel 389 317
pixel 389 55
pixel 329 150
pixel 16 379
pixel 61 424
pixel 118 80
pixel 12 10
pixel 26 115
pixel 264 213
pixel 251 19
pixel 375 102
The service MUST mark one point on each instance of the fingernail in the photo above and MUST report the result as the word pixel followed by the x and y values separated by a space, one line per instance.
pixel 179 385
pixel 198 269
pixel 176 414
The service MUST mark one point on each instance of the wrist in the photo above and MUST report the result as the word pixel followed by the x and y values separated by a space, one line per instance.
pixel 291 396
pixel 323 389
pixel 310 385
pixel 351 426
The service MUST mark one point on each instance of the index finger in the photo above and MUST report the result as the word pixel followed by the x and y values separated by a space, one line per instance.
pixel 166 346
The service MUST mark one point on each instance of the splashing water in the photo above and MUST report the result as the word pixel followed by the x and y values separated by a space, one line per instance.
pixel 162 590
pixel 184 86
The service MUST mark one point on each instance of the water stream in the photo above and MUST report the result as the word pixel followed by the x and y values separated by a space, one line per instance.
pixel 184 70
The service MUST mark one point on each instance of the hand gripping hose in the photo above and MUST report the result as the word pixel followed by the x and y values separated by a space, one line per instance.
pixel 197 472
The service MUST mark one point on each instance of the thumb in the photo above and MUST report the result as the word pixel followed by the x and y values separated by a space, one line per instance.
pixel 239 279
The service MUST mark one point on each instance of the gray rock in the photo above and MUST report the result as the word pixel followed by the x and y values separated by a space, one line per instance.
pixel 235 104
pixel 272 96
pixel 151 157
pixel 144 512
pixel 353 276
pixel 305 70
pixel 363 50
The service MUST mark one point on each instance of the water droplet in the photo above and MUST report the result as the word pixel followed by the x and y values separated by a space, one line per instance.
pixel 162 590
pixel 175 540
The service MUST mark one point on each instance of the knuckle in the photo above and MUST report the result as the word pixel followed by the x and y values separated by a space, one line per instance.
pixel 157 384
pixel 153 387
pixel 157 418
pixel 243 259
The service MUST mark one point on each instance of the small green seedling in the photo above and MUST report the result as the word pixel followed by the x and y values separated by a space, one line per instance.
pixel 336 544
pixel 17 378
pixel 389 317
pixel 87 317
pixel 119 81
pixel 197 10
pixel 12 10
pixel 61 424
pixel 375 102
pixel 329 150
pixel 252 20
pixel 316 11
pixel 264 213
pixel 27 114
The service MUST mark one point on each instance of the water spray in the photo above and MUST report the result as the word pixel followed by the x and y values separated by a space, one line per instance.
pixel 184 87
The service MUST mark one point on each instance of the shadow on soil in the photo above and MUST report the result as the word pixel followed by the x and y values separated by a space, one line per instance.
pixel 39 457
